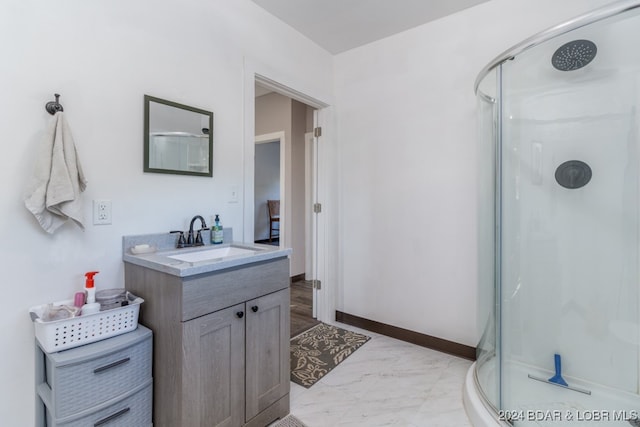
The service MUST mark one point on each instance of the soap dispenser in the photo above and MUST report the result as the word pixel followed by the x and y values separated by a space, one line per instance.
pixel 216 231
pixel 91 306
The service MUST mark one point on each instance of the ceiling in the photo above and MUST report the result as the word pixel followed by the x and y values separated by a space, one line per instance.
pixel 340 25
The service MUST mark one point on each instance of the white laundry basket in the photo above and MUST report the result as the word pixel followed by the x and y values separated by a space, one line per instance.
pixel 58 335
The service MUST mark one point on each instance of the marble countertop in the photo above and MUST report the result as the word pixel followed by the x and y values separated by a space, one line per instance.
pixel 163 247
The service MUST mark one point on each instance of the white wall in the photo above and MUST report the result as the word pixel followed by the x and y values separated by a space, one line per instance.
pixel 103 57
pixel 405 112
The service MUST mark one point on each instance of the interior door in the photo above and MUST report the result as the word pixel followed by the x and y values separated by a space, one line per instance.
pixel 311 229
pixel 312 210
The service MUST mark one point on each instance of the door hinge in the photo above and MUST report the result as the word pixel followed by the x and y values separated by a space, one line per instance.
pixel 317 284
pixel 317 132
pixel 317 207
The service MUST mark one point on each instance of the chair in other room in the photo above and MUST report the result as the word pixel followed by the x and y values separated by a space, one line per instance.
pixel 274 218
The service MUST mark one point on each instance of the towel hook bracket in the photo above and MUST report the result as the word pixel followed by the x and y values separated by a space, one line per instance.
pixel 54 106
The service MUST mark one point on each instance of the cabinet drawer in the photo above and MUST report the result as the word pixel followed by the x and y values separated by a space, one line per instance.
pixel 134 410
pixel 75 387
pixel 212 292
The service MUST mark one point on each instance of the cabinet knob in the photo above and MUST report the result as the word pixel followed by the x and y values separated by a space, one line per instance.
pixel 240 314
pixel 254 308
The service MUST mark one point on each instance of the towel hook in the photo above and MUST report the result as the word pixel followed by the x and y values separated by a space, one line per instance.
pixel 54 106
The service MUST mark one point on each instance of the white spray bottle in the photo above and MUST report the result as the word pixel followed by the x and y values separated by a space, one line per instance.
pixel 91 306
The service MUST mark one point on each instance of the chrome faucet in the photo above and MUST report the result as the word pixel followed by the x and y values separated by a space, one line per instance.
pixel 190 240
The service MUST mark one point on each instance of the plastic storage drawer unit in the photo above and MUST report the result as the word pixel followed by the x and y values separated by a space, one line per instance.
pixel 132 410
pixel 103 383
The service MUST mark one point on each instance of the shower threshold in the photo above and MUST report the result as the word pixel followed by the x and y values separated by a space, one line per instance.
pixel 534 403
pixel 603 406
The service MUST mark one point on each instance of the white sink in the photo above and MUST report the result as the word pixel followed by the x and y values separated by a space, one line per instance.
pixel 213 254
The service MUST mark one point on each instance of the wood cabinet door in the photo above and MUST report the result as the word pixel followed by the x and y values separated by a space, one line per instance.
pixel 267 351
pixel 213 369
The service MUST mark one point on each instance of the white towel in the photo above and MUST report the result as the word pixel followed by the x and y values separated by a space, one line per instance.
pixel 53 194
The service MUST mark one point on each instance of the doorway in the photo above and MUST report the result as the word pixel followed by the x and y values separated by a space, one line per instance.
pixel 268 186
pixel 285 171
pixel 326 257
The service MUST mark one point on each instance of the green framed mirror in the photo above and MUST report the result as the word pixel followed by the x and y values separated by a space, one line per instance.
pixel 178 139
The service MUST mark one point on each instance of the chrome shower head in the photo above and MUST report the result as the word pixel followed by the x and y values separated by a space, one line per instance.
pixel 574 55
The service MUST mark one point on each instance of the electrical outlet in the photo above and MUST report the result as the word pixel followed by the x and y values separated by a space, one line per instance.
pixel 101 212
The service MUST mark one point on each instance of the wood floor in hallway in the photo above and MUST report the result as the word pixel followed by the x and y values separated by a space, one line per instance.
pixel 301 307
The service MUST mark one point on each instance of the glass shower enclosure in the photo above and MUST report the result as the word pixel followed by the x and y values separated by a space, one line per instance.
pixel 559 226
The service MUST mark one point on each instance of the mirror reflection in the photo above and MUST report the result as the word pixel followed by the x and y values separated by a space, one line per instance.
pixel 178 139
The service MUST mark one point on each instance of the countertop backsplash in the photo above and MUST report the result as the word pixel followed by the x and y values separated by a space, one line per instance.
pixel 167 241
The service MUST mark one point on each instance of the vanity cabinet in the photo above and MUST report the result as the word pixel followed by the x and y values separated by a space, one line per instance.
pixel 221 355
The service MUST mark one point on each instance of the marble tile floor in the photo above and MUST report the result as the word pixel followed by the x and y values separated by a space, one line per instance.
pixel 386 382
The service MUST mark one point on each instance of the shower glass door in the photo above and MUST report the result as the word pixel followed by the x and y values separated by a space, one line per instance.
pixel 569 217
pixel 487 351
